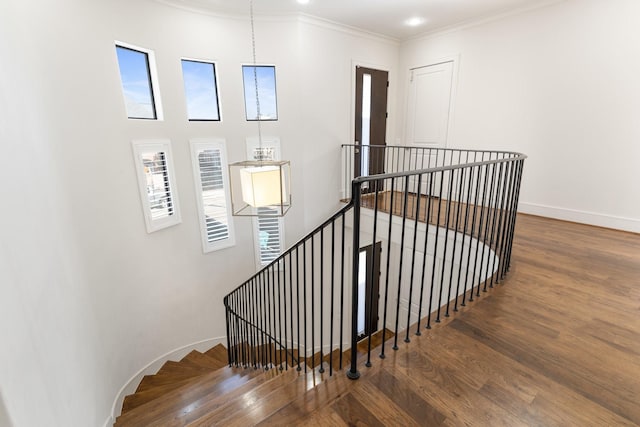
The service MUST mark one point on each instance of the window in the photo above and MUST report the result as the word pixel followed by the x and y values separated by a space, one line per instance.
pixel 266 77
pixel 211 180
pixel 139 82
pixel 268 227
pixel 157 187
pixel 201 91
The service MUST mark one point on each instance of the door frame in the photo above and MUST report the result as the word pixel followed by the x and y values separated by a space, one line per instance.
pixel 455 60
pixel 372 289
pixel 348 167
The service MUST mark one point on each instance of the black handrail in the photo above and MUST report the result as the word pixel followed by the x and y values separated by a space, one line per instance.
pixel 456 210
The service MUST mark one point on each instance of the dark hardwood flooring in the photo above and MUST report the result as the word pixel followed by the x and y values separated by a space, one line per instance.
pixel 555 344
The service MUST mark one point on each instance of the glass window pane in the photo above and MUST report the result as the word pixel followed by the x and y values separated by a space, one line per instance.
pixel 266 77
pixel 157 183
pixel 200 90
pixel 136 83
pixel 213 195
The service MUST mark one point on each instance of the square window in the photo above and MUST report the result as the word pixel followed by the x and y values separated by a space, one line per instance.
pixel 137 76
pixel 265 75
pixel 201 91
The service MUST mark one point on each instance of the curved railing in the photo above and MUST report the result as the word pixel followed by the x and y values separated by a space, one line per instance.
pixel 433 228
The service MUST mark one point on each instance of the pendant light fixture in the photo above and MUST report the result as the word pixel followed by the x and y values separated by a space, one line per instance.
pixel 262 186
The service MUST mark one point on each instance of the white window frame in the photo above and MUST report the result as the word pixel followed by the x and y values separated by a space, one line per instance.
pixel 217 88
pixel 198 145
pixel 141 147
pixel 153 74
pixel 252 144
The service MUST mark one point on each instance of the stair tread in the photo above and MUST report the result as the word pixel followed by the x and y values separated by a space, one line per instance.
pixel 171 367
pixel 132 401
pixel 329 390
pixel 201 359
pixel 262 401
pixel 181 399
pixel 210 406
pixel 218 352
pixel 150 381
pixel 142 397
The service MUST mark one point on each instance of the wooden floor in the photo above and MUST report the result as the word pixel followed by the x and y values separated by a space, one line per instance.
pixel 555 344
pixel 454 215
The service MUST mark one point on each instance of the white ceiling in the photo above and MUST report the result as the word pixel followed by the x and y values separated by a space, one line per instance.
pixel 385 17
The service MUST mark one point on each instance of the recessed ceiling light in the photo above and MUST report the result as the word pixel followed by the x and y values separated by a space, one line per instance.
pixel 415 21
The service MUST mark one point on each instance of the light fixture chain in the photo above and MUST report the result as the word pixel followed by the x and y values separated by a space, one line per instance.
pixel 255 79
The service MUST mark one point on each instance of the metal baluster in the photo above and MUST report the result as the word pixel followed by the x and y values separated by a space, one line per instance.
pixel 435 252
pixel 455 240
pixel 427 215
pixel 386 284
pixel 298 301
pixel 413 254
pixel 333 262
pixel 321 370
pixel 404 222
pixel 369 308
pixel 353 371
pixel 342 257
pixel 446 243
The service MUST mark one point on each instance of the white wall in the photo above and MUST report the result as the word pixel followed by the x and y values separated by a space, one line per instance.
pixel 327 78
pixel 560 84
pixel 88 297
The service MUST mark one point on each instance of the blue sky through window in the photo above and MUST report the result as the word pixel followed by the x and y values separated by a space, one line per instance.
pixel 200 90
pixel 136 83
pixel 266 92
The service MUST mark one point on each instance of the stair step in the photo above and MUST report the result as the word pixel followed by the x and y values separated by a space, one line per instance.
pixel 182 399
pixel 260 402
pixel 209 406
pixel 303 405
pixel 150 381
pixel 201 359
pixel 219 353
pixel 173 367
pixel 142 397
pixel 132 401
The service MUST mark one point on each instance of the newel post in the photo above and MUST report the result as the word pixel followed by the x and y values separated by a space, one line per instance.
pixel 353 373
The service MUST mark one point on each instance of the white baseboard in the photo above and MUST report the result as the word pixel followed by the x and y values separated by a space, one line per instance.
pixel 153 367
pixel 591 218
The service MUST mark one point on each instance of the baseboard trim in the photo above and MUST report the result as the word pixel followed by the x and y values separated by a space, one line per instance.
pixel 153 367
pixel 590 218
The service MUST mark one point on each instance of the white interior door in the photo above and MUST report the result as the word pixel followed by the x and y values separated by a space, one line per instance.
pixel 428 113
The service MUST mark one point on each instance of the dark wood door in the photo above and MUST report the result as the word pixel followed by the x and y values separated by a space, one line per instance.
pixel 370 121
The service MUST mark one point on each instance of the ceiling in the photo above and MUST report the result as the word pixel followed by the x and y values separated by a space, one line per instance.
pixel 384 17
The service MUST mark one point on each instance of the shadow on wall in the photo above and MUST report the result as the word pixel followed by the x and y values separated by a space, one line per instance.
pixel 5 421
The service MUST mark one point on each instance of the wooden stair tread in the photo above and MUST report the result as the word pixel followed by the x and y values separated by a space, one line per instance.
pixel 150 381
pixel 330 389
pixel 173 367
pixel 146 395
pixel 214 382
pixel 132 401
pixel 260 402
pixel 219 353
pixel 210 408
pixel 180 401
pixel 201 359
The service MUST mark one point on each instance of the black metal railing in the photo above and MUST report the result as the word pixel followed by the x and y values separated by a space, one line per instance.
pixel 442 221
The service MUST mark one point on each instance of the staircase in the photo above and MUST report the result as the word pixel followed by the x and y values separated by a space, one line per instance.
pixel 443 234
pixel 202 390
